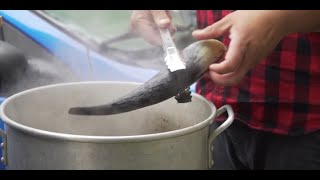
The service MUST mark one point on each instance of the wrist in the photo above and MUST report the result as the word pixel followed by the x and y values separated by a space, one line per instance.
pixel 300 20
pixel 280 20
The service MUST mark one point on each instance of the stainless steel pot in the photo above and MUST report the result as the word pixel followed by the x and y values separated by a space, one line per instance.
pixel 40 134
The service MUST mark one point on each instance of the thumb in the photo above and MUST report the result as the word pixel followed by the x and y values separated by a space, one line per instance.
pixel 161 18
pixel 213 31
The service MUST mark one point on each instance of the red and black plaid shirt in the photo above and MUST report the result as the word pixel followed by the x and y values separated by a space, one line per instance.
pixel 279 95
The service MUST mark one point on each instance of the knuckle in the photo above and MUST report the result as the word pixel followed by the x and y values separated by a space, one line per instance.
pixel 229 67
pixel 210 28
pixel 134 21
pixel 225 68
pixel 133 26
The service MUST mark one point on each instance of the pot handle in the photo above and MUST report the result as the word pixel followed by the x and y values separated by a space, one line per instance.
pixel 220 129
pixel 3 147
pixel 3 135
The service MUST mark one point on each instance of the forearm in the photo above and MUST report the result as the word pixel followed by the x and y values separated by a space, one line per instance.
pixel 301 20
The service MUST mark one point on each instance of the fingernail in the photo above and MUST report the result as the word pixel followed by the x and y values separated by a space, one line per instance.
pixel 163 21
pixel 197 31
pixel 212 67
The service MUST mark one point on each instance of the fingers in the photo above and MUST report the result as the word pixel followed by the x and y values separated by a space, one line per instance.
pixel 149 33
pixel 213 31
pixel 163 19
pixel 231 70
pixel 234 77
pixel 145 24
pixel 234 56
pixel 229 79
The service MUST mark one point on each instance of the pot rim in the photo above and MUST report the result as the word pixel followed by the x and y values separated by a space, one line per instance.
pixel 102 139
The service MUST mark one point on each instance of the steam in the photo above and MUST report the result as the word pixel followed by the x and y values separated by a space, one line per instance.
pixel 95 28
pixel 39 72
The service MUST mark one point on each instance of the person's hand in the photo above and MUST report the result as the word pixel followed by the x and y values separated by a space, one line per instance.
pixel 253 35
pixel 146 23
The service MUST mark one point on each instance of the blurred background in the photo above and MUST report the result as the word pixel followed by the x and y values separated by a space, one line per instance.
pixel 109 29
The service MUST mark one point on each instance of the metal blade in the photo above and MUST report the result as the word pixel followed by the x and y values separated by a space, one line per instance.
pixel 172 58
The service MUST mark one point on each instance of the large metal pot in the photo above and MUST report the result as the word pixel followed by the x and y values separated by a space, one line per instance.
pixel 40 134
